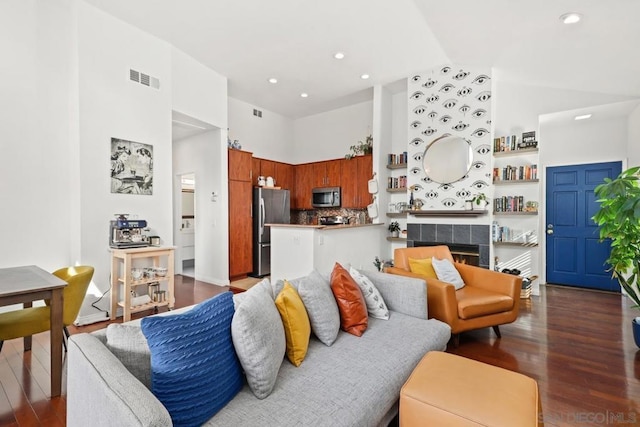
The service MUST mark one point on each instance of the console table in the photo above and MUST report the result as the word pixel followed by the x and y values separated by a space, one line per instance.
pixel 122 261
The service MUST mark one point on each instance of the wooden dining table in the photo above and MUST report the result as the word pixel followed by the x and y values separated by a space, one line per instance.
pixel 23 285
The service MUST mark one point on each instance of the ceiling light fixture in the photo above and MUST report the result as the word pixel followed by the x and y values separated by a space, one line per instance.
pixel 364 76
pixel 570 18
pixel 583 117
pixel 273 80
pixel 339 55
pixel 304 95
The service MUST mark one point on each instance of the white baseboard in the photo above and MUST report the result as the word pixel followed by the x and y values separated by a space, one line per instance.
pixel 91 318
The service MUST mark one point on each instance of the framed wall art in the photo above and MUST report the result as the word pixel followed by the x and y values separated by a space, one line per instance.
pixel 131 167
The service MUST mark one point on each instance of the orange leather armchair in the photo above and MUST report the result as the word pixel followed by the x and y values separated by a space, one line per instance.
pixel 489 298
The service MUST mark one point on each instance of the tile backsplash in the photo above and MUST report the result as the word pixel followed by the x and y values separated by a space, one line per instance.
pixel 311 216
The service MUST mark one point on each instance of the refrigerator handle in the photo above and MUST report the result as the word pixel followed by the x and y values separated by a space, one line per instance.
pixel 261 216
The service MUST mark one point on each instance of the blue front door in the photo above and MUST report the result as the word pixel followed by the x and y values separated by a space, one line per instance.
pixel 575 255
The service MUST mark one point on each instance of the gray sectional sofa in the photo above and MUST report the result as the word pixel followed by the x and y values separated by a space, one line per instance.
pixel 354 382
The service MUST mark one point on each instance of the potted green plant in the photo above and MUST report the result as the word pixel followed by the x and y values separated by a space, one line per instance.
pixel 394 228
pixel 362 147
pixel 619 220
pixel 480 200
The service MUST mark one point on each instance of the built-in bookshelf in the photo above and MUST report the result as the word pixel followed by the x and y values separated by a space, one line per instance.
pixel 397 185
pixel 515 223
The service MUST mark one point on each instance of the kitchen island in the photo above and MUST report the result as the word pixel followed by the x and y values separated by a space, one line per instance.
pixel 298 249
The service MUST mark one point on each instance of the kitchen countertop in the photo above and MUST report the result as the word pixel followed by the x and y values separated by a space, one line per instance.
pixel 323 227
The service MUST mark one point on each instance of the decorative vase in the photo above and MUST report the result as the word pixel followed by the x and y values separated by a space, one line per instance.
pixel 636 330
pixel 395 233
pixel 468 205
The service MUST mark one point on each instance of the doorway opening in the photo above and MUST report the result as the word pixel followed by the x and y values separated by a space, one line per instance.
pixel 188 224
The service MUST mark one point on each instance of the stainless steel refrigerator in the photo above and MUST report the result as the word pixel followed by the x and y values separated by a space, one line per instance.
pixel 270 206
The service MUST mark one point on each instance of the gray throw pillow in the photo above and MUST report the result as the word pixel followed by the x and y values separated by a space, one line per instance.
pixel 129 344
pixel 447 272
pixel 321 306
pixel 259 340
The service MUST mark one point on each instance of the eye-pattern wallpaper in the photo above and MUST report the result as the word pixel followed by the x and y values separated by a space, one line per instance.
pixel 456 101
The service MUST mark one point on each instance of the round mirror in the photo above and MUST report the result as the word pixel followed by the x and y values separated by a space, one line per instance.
pixel 447 159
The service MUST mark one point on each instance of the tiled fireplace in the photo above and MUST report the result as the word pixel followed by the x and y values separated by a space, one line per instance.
pixel 462 238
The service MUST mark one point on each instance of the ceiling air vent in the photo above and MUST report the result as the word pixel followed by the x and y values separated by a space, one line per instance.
pixel 144 79
pixel 257 113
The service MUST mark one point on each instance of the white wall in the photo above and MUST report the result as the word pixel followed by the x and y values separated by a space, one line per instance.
pixel 39 179
pixel 201 155
pixel 517 106
pixel 633 146
pixel 329 135
pixel 113 106
pixel 584 141
pixel 268 137
pixel 198 91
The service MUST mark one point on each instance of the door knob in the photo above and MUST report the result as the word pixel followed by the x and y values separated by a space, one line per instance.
pixel 550 231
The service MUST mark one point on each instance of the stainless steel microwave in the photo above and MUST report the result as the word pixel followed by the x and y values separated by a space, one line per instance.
pixel 326 197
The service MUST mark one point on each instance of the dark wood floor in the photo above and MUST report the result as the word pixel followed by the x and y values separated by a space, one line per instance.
pixel 577 344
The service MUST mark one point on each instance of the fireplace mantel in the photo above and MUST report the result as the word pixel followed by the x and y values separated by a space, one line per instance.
pixel 463 213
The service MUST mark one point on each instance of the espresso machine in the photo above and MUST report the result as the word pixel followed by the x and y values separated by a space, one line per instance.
pixel 126 233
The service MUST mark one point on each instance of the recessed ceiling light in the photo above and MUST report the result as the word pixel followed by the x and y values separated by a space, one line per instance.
pixel 339 55
pixel 364 76
pixel 570 18
pixel 273 80
pixel 583 117
pixel 304 95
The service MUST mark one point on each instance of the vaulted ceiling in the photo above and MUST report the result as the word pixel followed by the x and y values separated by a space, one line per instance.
pixel 250 41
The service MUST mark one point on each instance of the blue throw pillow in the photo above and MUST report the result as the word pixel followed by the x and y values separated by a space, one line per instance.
pixel 194 367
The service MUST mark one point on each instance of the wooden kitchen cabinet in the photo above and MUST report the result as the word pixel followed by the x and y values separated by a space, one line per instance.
pixel 355 176
pixel 327 173
pixel 284 176
pixel 304 182
pixel 240 210
pixel 240 165
pixel 281 172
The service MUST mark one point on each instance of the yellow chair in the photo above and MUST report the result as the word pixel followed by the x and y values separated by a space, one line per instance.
pixel 488 298
pixel 33 320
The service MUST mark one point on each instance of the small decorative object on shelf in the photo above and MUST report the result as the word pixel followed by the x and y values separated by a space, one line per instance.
pixel 528 140
pixel 361 148
pixel 480 201
pixel 394 228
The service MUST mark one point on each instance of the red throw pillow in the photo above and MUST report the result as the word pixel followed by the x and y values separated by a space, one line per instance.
pixel 353 309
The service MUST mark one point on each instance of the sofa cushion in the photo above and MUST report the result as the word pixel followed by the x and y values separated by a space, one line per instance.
pixel 321 307
pixel 127 343
pixel 296 323
pixel 423 267
pixel 376 306
pixel 352 383
pixel 476 302
pixel 258 337
pixel 447 272
pixel 353 309
pixel 194 367
pixel 264 283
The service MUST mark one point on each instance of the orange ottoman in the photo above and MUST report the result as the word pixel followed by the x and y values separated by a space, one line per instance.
pixel 449 390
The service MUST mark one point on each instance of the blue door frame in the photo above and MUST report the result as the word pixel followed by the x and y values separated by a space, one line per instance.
pixel 575 255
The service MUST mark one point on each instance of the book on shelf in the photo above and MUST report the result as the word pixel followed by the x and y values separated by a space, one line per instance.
pixel 397 159
pixel 515 173
pixel 397 182
pixel 512 143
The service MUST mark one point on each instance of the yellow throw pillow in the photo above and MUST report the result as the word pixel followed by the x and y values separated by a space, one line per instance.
pixel 423 267
pixel 295 320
